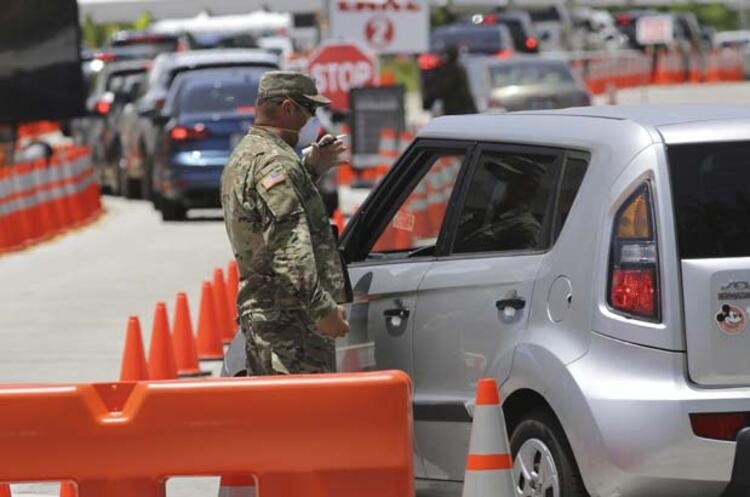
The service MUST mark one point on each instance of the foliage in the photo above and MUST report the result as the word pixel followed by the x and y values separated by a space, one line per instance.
pixel 98 35
pixel 404 70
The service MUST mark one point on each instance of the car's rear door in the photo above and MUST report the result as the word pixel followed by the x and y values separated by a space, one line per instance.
pixel 710 185
pixel 474 301
pixel 389 246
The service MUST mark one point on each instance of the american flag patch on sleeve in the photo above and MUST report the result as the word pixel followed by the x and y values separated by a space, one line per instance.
pixel 272 179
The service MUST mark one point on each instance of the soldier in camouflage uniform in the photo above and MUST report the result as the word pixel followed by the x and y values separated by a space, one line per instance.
pixel 291 276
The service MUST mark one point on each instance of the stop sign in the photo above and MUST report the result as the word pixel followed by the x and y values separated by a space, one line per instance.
pixel 339 67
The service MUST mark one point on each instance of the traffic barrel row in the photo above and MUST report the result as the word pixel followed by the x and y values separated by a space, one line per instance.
pixel 41 199
pixel 176 351
pixel 418 221
pixel 626 69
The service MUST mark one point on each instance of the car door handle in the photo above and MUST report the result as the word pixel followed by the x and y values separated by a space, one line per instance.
pixel 516 303
pixel 396 313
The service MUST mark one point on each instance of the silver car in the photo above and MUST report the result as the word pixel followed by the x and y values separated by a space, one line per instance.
pixel 596 262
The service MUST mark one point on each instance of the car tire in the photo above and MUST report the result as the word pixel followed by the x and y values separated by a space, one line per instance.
pixel 171 210
pixel 539 443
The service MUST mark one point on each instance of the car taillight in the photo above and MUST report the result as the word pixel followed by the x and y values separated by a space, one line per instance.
pixel 103 107
pixel 191 133
pixel 105 56
pixel 428 61
pixel 634 261
pixel 719 426
pixel 623 19
pixel 503 54
pixel 489 19
pixel 531 43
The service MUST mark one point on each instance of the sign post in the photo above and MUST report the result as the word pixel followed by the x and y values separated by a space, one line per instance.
pixel 339 67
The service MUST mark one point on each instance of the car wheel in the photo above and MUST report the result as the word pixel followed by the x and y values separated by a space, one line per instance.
pixel 543 462
pixel 171 210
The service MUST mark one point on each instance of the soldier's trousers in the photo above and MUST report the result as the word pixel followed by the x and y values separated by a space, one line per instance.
pixel 289 345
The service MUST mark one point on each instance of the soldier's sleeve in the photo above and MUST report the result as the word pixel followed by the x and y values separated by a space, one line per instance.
pixel 309 168
pixel 288 241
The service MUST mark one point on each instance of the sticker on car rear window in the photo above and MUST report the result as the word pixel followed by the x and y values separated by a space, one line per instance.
pixel 731 319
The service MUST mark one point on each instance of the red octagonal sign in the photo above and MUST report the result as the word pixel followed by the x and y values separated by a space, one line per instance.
pixel 339 67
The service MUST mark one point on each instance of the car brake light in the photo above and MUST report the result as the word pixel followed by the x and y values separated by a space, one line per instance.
pixel 719 426
pixel 531 43
pixel 428 61
pixel 623 19
pixel 103 107
pixel 489 19
pixel 503 54
pixel 634 262
pixel 192 133
pixel 105 56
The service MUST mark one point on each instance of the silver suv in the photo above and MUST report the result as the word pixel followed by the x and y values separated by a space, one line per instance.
pixel 596 262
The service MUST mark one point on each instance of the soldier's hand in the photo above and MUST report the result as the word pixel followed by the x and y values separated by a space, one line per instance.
pixel 334 325
pixel 325 153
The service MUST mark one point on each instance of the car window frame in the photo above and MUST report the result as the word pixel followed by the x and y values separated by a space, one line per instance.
pixel 551 211
pixel 372 218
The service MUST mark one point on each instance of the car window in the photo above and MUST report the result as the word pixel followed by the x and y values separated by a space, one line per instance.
pixel 528 73
pixel 217 96
pixel 417 222
pixel 473 39
pixel 711 198
pixel 507 203
pixel 573 173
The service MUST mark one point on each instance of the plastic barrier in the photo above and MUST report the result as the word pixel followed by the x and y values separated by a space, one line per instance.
pixel 39 200
pixel 308 436
pixel 602 71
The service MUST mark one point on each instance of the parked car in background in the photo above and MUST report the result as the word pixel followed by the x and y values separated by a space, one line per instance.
pixel 139 128
pixel 470 39
pixel 115 86
pixel 738 40
pixel 125 45
pixel 554 25
pixel 207 112
pixel 595 262
pixel 525 83
pixel 525 39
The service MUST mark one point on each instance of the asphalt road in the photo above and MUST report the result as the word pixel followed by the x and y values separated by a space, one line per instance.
pixel 64 304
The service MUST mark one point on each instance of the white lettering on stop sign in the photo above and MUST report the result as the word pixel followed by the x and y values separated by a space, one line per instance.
pixel 341 76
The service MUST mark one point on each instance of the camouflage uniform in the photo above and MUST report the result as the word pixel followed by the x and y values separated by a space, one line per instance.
pixel 290 271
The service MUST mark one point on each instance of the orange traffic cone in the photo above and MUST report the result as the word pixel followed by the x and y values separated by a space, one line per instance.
pixel 161 363
pixel 68 489
pixel 223 312
pixel 186 354
pixel 233 288
pixel 237 486
pixel 209 339
pixel 489 465
pixel 134 366
pixel 338 220
pixel 4 490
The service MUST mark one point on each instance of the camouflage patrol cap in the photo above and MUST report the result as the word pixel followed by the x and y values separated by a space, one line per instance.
pixel 295 85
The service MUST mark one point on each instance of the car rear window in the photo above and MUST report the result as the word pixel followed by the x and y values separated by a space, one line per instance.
pixel 528 73
pixel 217 96
pixel 711 197
pixel 476 39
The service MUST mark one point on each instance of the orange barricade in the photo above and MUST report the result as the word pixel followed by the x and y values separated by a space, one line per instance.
pixel 307 436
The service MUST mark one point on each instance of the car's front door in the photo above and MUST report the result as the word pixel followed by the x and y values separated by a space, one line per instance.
pixel 389 247
pixel 473 303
